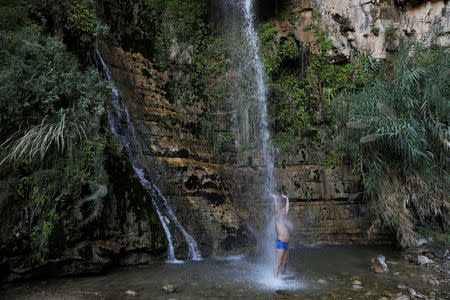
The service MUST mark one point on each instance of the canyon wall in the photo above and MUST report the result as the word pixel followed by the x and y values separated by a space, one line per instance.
pixel 218 196
pixel 372 26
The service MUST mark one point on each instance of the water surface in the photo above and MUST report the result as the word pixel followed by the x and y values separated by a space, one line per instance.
pixel 313 273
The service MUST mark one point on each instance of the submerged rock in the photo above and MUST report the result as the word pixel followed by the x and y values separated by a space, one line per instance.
pixel 284 294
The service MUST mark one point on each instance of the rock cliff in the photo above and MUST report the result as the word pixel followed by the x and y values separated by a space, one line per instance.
pixel 372 26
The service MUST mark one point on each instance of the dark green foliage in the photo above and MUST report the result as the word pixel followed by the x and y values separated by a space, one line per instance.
pixel 344 24
pixel 399 140
pixel 302 86
pixel 40 85
pixel 73 22
pixel 52 140
pixel 13 13
pixel 375 30
pixel 390 36
pixel 435 231
pixel 276 51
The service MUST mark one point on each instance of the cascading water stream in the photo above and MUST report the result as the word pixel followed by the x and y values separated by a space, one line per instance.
pixel 252 69
pixel 247 8
pixel 125 136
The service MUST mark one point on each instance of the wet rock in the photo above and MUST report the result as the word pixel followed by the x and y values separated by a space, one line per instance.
pixel 421 242
pixel 168 288
pixel 423 260
pixel 414 294
pixel 441 253
pixel 131 293
pixel 379 264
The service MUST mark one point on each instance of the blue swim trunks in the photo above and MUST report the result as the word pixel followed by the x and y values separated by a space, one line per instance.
pixel 282 245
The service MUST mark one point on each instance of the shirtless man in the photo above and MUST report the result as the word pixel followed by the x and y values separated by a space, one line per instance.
pixel 282 243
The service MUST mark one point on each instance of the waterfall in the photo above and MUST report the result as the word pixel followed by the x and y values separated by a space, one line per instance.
pixel 260 95
pixel 127 137
pixel 252 85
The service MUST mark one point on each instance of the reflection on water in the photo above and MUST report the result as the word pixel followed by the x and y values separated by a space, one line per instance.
pixel 312 273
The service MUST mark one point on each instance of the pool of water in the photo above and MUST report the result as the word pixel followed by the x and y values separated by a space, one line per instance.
pixel 313 273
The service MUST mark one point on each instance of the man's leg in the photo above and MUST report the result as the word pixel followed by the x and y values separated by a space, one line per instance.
pixel 284 261
pixel 278 262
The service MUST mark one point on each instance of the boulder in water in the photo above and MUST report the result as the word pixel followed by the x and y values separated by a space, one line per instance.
pixel 131 293
pixel 423 260
pixel 168 288
pixel 379 264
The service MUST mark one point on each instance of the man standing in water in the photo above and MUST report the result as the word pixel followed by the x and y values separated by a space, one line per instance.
pixel 282 243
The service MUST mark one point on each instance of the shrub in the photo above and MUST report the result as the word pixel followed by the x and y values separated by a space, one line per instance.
pixel 45 96
pixel 52 140
pixel 398 136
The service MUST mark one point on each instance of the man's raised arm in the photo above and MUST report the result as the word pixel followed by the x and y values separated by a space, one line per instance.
pixel 275 202
pixel 287 203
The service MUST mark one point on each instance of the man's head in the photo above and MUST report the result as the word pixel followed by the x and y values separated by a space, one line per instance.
pixel 282 205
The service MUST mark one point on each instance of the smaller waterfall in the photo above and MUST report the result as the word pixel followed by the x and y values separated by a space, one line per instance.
pixel 146 184
pixel 127 137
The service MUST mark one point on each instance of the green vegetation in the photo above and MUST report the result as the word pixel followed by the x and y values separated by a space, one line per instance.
pixel 391 37
pixel 52 138
pixel 398 137
pixel 375 30
pixel 303 86
pixel 435 231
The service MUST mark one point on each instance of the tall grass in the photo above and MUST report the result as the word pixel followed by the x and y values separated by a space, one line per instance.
pixel 50 137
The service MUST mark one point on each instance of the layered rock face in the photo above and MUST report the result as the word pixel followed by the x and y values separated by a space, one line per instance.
pixel 176 158
pixel 325 202
pixel 220 204
pixel 374 27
